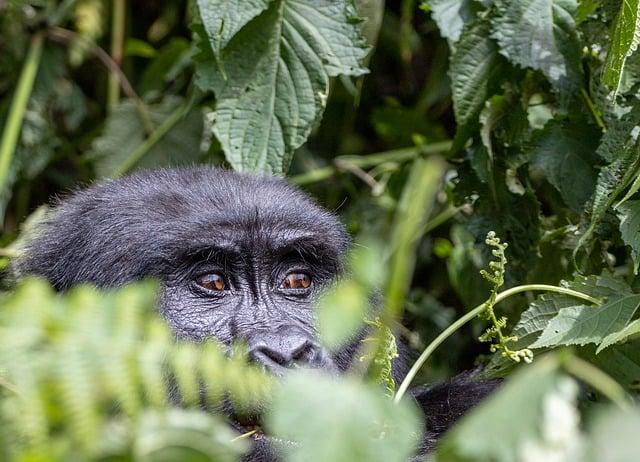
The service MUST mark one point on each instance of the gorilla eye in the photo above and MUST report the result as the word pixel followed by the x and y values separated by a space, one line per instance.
pixel 211 281
pixel 296 281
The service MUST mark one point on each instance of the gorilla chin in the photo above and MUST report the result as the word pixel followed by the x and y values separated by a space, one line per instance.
pixel 240 258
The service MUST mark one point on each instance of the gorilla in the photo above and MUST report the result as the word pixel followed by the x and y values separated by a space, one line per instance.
pixel 238 257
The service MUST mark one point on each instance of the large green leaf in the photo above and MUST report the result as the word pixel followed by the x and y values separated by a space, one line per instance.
pixel 630 330
pixel 540 34
pixel 629 215
pixel 272 80
pixel 350 421
pixel 614 436
pixel 534 413
pixel 579 325
pixel 566 154
pixel 624 41
pixel 473 66
pixel 223 19
pixel 452 15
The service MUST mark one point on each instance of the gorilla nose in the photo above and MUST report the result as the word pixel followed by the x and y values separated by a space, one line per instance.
pixel 285 350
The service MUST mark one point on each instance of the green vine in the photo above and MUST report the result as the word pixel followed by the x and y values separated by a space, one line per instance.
pixel 494 335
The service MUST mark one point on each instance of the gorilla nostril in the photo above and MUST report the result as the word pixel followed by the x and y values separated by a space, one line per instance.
pixel 282 351
pixel 306 353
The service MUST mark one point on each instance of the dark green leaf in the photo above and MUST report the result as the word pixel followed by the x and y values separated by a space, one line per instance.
pixel 124 132
pixel 629 215
pixel 566 153
pixel 540 34
pixel 474 65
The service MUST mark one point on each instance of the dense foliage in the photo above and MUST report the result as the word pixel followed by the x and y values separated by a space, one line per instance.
pixel 439 131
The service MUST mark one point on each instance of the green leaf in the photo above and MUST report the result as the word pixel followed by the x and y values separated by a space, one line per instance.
pixel 369 428
pixel 223 19
pixel 566 153
pixel 341 312
pixel 474 65
pixel 273 79
pixel 614 436
pixel 540 34
pixel 612 180
pixel 629 215
pixel 541 398
pixel 630 330
pixel 124 132
pixel 621 361
pixel 179 434
pixel 579 325
pixel 623 42
pixel 452 15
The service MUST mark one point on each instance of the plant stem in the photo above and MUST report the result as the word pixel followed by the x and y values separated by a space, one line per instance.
pixel 594 110
pixel 472 314
pixel 371 160
pixel 144 147
pixel 597 379
pixel 117 43
pixel 19 106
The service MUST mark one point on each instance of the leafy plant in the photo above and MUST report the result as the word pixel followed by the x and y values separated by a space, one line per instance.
pixel 533 103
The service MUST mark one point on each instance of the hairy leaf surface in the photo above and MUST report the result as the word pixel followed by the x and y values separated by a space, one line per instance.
pixel 629 215
pixel 624 41
pixel 473 66
pixel 540 34
pixel 580 324
pixel 272 81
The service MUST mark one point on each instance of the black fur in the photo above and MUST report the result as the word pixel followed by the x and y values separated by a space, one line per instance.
pixel 177 224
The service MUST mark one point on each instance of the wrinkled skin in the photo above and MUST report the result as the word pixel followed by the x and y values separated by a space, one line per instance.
pixel 248 234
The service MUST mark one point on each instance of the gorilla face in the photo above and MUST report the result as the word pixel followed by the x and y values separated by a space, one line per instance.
pixel 239 257
pixel 255 281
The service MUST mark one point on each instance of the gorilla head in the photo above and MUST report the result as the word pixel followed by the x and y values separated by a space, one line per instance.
pixel 239 257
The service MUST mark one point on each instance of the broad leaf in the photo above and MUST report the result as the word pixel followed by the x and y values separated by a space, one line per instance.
pixel 623 42
pixel 272 81
pixel 629 215
pixel 223 19
pixel 473 66
pixel 533 414
pixel 540 34
pixel 565 153
pixel 622 362
pixel 341 313
pixel 179 434
pixel 452 15
pixel 579 325
pixel 369 428
pixel 614 436
pixel 630 330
